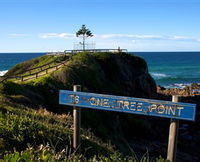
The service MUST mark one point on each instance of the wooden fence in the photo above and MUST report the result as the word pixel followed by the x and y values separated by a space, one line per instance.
pixel 44 68
pixel 69 52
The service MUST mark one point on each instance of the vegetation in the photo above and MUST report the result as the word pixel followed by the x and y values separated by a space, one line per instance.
pixel 84 33
pixel 36 62
pixel 27 134
pixel 33 127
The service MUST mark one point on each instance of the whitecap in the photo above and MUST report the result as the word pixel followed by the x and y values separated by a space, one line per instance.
pixel 3 72
pixel 180 85
pixel 159 75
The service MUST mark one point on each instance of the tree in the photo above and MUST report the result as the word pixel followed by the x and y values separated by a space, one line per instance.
pixel 84 33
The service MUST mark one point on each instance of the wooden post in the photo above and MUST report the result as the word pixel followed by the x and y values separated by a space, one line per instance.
pixel 77 123
pixel 173 134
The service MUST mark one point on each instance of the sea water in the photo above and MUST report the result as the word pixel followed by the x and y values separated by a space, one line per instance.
pixel 173 69
pixel 8 60
pixel 169 69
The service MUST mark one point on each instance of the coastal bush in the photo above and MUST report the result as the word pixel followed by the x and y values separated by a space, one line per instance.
pixel 105 73
pixel 17 131
pixel 46 153
pixel 10 88
pixel 21 127
pixel 48 88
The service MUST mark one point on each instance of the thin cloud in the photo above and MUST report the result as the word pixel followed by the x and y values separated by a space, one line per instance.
pixel 122 36
pixel 106 36
pixel 56 35
pixel 147 37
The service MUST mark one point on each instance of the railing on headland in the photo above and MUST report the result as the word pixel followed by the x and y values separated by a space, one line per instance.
pixel 88 50
pixel 35 74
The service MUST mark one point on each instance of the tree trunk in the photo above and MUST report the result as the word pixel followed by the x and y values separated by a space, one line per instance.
pixel 84 42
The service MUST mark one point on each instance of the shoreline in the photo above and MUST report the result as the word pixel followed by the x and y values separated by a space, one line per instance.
pixel 3 72
pixel 188 90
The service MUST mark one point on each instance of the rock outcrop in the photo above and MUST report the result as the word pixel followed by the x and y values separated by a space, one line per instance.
pixel 109 73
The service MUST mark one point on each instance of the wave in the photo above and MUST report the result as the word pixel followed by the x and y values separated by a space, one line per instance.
pixel 180 85
pixel 159 75
pixel 3 72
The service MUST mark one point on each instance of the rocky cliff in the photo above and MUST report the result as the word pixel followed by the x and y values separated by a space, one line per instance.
pixel 109 73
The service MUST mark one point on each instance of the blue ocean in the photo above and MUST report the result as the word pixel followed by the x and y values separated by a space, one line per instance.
pixel 169 69
pixel 7 60
pixel 173 69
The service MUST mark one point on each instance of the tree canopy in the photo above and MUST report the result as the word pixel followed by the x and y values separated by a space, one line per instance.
pixel 84 32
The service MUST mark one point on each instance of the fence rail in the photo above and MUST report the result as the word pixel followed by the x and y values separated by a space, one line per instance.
pixel 35 75
pixel 88 50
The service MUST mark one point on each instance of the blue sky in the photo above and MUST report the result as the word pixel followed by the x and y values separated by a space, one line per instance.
pixel 137 25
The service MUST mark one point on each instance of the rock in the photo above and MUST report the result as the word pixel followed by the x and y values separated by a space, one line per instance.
pixel 195 86
pixel 160 88
pixel 108 73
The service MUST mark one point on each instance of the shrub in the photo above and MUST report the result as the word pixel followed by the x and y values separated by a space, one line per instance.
pixel 11 88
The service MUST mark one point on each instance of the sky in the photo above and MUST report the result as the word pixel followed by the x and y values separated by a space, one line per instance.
pixel 136 25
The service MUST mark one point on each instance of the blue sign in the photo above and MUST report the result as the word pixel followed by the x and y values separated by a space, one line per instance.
pixel 176 110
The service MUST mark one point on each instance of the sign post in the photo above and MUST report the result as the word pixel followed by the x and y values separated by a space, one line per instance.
pixel 140 106
pixel 174 110
pixel 77 122
pixel 173 135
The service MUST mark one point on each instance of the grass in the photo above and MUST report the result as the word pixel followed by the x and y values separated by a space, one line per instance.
pixel 35 134
pixel 21 126
pixel 34 63
pixel 29 132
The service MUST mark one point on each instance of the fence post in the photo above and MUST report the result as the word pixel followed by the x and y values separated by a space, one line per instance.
pixel 77 122
pixel 173 134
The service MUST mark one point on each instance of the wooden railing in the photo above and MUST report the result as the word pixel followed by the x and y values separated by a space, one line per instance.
pixel 36 68
pixel 35 74
pixel 88 50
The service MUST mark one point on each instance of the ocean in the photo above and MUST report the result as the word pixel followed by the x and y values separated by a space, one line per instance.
pixel 169 69
pixel 173 69
pixel 8 60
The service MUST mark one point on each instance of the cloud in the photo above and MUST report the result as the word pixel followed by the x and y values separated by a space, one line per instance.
pixel 122 36
pixel 147 37
pixel 107 36
pixel 134 41
pixel 17 35
pixel 57 35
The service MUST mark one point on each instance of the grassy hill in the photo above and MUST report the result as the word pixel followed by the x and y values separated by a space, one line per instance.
pixel 34 127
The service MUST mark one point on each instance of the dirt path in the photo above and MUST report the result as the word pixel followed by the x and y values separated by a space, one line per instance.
pixel 41 73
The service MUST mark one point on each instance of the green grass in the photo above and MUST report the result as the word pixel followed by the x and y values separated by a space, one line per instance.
pixel 29 132
pixel 34 63
pixel 21 126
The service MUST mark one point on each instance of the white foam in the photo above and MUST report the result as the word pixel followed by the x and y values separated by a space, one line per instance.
pixel 3 72
pixel 180 86
pixel 159 75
